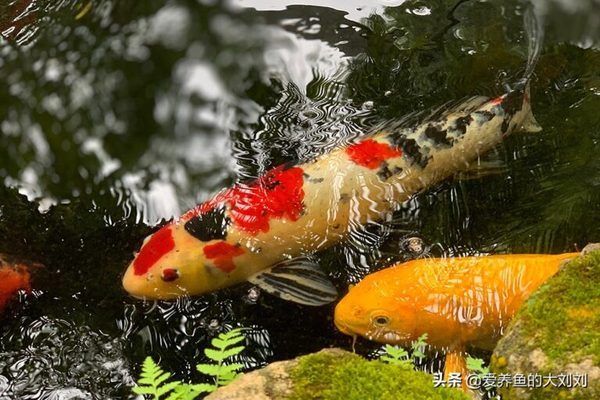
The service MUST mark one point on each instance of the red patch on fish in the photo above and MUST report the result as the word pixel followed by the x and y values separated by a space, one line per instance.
pixel 370 153
pixel 277 194
pixel 497 100
pixel 222 254
pixel 160 244
pixel 169 274
pixel 11 281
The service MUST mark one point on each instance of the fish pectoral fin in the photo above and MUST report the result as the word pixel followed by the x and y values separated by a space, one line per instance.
pixel 491 165
pixel 456 363
pixel 530 124
pixel 299 280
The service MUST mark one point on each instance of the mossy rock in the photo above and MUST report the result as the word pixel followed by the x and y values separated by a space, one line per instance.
pixel 335 374
pixel 557 331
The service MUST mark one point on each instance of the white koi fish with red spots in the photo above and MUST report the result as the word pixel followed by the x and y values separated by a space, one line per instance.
pixel 262 231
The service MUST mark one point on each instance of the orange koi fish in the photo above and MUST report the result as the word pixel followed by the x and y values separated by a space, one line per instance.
pixel 13 277
pixel 458 302
pixel 261 231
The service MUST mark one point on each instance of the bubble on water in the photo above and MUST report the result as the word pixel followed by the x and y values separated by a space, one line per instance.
pixel 253 295
pixel 423 10
pixel 414 245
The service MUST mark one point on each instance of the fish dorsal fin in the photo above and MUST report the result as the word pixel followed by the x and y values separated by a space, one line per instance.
pixel 299 280
pixel 465 105
pixel 409 121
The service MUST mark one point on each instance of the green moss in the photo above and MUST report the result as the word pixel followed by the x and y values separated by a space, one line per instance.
pixel 556 331
pixel 327 377
pixel 563 316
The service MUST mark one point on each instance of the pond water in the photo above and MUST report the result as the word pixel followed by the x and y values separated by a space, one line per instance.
pixel 116 116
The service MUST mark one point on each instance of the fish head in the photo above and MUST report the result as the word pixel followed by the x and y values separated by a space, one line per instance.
pixel 373 310
pixel 169 264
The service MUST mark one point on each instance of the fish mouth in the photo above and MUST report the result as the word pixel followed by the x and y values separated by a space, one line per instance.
pixel 142 287
pixel 345 329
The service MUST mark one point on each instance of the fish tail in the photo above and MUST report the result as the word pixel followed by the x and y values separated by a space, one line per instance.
pixel 535 37
pixel 529 123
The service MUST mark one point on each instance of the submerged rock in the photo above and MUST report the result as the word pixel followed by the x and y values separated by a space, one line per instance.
pixel 334 374
pixel 556 334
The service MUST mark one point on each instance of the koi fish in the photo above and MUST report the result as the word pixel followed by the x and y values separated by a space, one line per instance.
pixel 458 302
pixel 13 277
pixel 265 231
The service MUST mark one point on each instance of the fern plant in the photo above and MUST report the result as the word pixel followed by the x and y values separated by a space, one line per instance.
pixel 476 366
pixel 224 348
pixel 398 356
pixel 155 382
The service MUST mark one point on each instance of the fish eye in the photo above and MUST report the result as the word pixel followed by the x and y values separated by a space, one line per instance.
pixel 381 320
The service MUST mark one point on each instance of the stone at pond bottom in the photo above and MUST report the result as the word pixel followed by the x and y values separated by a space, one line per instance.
pixel 556 332
pixel 333 374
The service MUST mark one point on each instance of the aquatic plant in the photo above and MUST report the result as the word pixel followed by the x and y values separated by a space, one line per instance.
pixel 154 381
pixel 396 355
pixel 475 365
pixel 225 348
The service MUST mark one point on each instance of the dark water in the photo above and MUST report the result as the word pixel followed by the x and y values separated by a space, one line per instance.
pixel 119 118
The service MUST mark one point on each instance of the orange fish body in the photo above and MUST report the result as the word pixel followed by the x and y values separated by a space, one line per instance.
pixel 12 279
pixel 458 302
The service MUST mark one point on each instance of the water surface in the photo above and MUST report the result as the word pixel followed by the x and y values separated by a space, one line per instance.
pixel 116 119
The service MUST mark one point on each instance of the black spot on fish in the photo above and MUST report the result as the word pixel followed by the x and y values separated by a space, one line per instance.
pixel 462 123
pixel 311 179
pixel 486 115
pixel 385 172
pixel 410 148
pixel 513 102
pixel 209 226
pixel 344 197
pixel 439 136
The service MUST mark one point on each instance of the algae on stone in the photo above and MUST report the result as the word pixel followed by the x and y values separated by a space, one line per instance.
pixel 334 374
pixel 325 376
pixel 556 331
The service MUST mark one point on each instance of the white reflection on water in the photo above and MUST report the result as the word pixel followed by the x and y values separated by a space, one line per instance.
pixel 356 9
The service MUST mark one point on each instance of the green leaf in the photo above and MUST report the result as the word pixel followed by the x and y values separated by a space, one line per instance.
pixel 142 390
pixel 395 351
pixel 232 352
pixel 209 369
pixel 215 355
pixel 230 334
pixel 153 380
pixel 221 343
pixel 418 346
pixel 167 388
pixel 476 365
pixel 233 367
pixel 190 392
